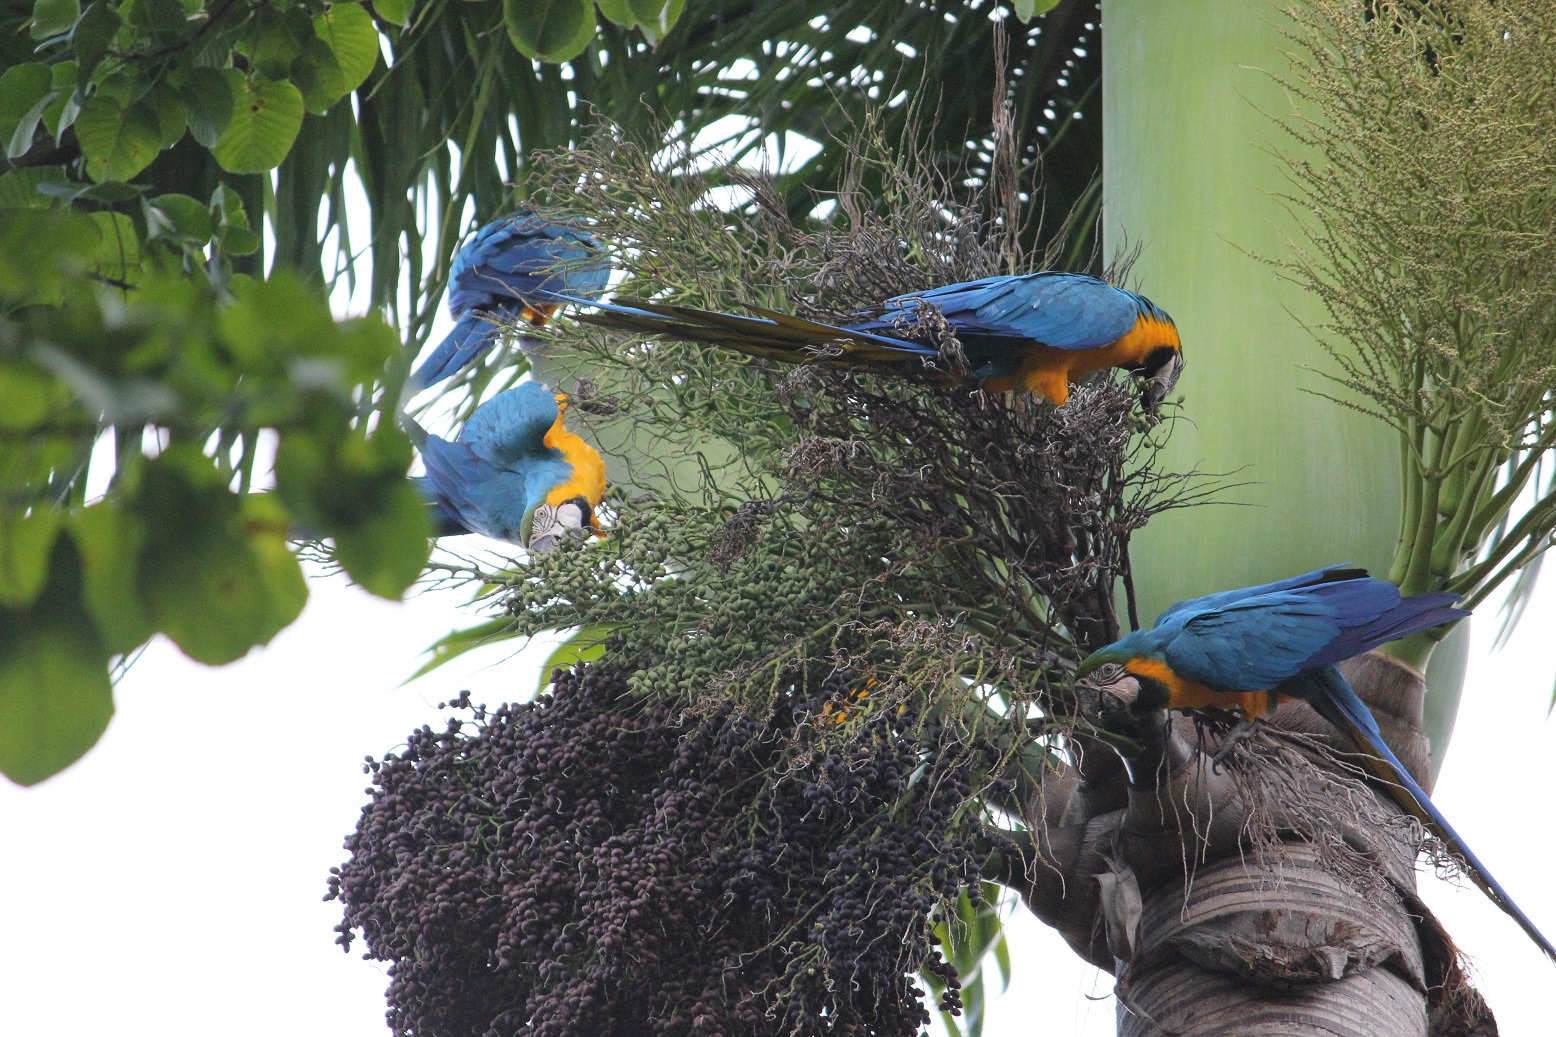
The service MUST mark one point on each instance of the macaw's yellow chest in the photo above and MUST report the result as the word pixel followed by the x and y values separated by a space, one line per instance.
pixel 588 480
pixel 1183 693
pixel 1049 372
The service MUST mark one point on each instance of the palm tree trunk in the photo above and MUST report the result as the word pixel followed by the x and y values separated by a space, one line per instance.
pixel 1269 896
pixel 1193 178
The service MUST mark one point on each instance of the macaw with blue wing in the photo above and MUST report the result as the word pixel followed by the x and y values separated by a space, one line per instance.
pixel 1039 332
pixel 515 473
pixel 508 274
pixel 1243 650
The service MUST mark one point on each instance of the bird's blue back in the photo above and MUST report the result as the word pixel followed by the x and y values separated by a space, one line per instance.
pixel 513 267
pixel 523 257
pixel 1056 308
pixel 1258 637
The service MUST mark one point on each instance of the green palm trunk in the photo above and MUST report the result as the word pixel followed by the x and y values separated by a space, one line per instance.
pixel 1193 178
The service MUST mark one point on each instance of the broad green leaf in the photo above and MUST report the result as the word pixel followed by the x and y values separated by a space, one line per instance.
pixel 216 574
pixel 209 101
pixel 25 394
pixel 94 33
pixel 21 140
pixel 656 17
pixel 182 215
pixel 22 87
pixel 26 544
pixel 117 143
pixel 461 641
pixel 118 251
pixel 585 646
pixel 109 540
pixel 349 31
pixel 395 12
pixel 267 532
pixel 274 322
pixel 19 189
pixel 270 320
pixel 53 17
pixel 318 77
pixel 387 550
pixel 1026 10
pixel 40 246
pixel 273 41
pixel 550 30
pixel 109 192
pixel 55 695
pixel 60 114
pixel 619 12
pixel 267 114
pixel 232 225
pixel 169 110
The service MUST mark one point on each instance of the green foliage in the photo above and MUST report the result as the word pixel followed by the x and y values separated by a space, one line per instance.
pixel 55 695
pixel 164 394
pixel 1433 246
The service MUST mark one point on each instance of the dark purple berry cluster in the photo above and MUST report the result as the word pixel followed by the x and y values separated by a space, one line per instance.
pixel 592 863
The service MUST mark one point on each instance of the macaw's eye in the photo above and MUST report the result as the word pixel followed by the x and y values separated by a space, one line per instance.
pixel 1104 676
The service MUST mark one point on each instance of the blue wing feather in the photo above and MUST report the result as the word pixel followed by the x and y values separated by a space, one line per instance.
pixel 1063 310
pixel 510 429
pixel 1255 642
pixel 475 334
pixel 1221 598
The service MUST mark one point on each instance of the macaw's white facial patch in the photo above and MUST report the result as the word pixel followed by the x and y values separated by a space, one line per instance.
pixel 1112 679
pixel 573 519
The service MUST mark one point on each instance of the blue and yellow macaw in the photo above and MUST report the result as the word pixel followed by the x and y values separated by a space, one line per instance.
pixel 1040 332
pixel 1243 650
pixel 509 273
pixel 515 473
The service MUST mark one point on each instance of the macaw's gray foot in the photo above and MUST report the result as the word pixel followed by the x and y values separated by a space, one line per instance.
pixel 1244 729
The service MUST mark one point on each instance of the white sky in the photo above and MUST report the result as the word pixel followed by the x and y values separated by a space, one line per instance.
pixel 171 882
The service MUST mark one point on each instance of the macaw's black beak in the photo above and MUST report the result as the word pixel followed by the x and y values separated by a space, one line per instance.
pixel 1161 374
pixel 573 519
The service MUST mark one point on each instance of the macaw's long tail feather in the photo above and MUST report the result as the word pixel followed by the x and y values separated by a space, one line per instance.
pixel 772 335
pixel 1333 697
pixel 472 336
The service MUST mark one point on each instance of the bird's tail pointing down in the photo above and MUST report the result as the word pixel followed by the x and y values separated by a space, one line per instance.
pixel 1337 702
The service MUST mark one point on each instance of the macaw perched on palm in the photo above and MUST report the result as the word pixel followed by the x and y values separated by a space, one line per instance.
pixel 1243 650
pixel 515 473
pixel 1038 332
pixel 508 274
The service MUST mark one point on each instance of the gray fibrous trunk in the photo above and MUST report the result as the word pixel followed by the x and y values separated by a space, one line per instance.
pixel 1272 895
